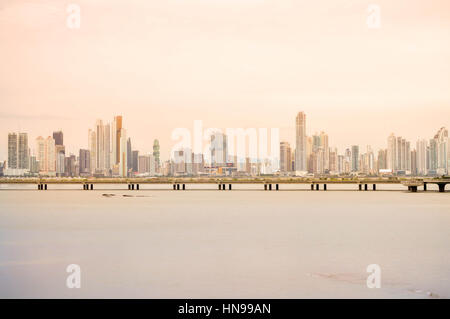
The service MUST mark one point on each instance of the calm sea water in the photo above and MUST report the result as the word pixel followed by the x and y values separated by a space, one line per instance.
pixel 205 243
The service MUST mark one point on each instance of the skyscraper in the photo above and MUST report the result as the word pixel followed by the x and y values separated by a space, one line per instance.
pixel 391 152
pixel 300 142
pixel 156 154
pixel 46 155
pixel 117 131
pixel 58 137
pixel 421 154
pixel 23 152
pixel 129 155
pixel 92 145
pixel 123 171
pixel 84 162
pixel 285 157
pixel 219 149
pixel 355 158
pixel 12 150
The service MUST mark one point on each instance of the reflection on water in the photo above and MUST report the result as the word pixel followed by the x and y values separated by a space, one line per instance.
pixel 205 243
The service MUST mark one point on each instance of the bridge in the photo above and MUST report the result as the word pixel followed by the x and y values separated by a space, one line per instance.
pixel 223 183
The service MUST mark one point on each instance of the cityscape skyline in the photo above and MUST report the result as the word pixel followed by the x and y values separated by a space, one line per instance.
pixel 110 153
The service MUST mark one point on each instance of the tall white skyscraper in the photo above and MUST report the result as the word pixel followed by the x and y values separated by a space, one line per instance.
pixel 300 142
pixel 421 157
pixel 123 171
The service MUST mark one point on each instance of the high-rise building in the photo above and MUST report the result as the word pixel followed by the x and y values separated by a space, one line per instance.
pixel 391 152
pixel 117 131
pixel 84 162
pixel 421 157
pixel 23 152
pixel 355 158
pixel 46 155
pixel 129 155
pixel 219 149
pixel 135 161
pixel 441 139
pixel 285 157
pixel 123 166
pixel 300 142
pixel 156 154
pixel 58 137
pixel 92 145
pixel 12 150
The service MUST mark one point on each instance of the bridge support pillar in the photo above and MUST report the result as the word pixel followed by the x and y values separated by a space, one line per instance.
pixel 39 186
pixel 184 186
pixel 92 186
pixel 324 187
pixel 413 189
pixel 312 187
pixel 178 187
pixel 223 187
pixel 277 187
pixel 220 186
pixel 45 186
pixel 441 187
pixel 317 187
pixel 374 187
pixel 174 187
pixel 229 187
pixel 270 187
pixel 424 187
pixel 360 186
pixel 365 187
pixel 137 186
pixel 265 187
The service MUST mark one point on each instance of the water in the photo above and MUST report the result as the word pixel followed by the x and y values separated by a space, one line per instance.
pixel 205 243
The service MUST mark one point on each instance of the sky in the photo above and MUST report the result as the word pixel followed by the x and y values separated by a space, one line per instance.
pixel 230 63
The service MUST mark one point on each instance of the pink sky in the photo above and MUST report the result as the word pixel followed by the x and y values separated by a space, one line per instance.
pixel 248 63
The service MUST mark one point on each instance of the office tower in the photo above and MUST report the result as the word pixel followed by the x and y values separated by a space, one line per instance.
pixel 135 161
pixel 355 158
pixel 300 142
pixel 382 159
pixel 34 165
pixel 60 162
pixel 285 157
pixel 441 140
pixel 117 131
pixel 23 152
pixel 326 151
pixel 333 163
pixel 421 157
pixel 84 162
pixel 100 152
pixel 219 149
pixel 58 137
pixel 123 166
pixel 107 147
pixel 70 163
pixel 413 157
pixel 46 155
pixel 156 154
pixel 92 145
pixel 129 155
pixel 391 152
pixel 12 150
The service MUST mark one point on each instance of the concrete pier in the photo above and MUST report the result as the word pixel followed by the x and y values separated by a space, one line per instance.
pixel 360 186
pixel 229 187
pixel 317 187
pixel 424 187
pixel 265 187
pixel 365 187
pixel 137 186
pixel 92 186
pixel 441 187
pixel 312 187
pixel 374 187
pixel 184 186
pixel 270 187
pixel 220 186
pixel 277 187
pixel 178 187
pixel 324 187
